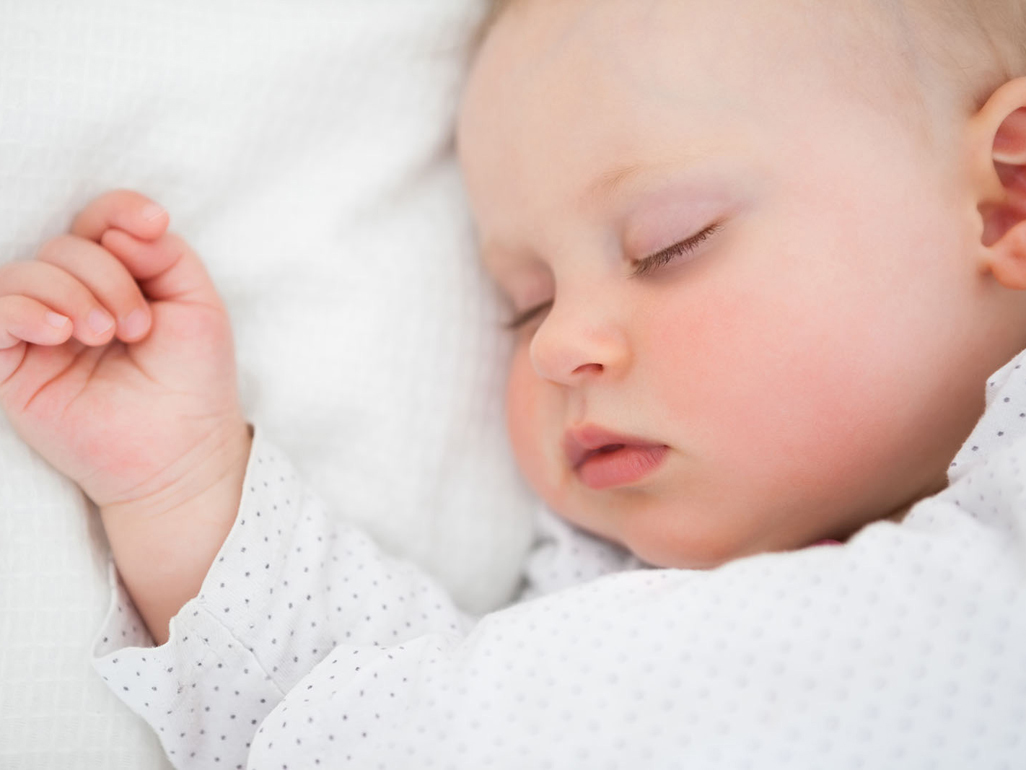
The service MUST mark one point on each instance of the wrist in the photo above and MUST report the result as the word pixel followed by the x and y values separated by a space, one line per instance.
pixel 210 464
pixel 164 544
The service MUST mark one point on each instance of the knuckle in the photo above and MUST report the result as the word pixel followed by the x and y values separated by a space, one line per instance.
pixel 123 296
pixel 173 242
pixel 13 275
pixel 118 279
pixel 177 245
pixel 71 295
pixel 122 300
pixel 57 285
pixel 55 249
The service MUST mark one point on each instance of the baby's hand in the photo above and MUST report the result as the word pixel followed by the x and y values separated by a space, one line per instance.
pixel 116 360
pixel 117 366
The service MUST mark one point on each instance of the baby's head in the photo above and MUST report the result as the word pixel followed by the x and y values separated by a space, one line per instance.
pixel 764 255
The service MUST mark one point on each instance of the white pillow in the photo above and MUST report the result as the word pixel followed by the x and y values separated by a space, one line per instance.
pixel 305 149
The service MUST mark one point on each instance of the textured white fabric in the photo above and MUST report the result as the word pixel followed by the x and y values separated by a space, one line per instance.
pixel 304 148
pixel 903 648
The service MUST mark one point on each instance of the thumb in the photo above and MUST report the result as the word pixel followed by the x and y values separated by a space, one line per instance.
pixel 166 269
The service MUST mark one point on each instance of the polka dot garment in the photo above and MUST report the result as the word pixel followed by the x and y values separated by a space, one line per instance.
pixel 308 647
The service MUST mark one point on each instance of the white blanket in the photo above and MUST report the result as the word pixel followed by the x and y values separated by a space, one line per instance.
pixel 305 150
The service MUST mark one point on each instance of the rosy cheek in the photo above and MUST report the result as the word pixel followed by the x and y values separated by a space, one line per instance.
pixel 761 389
pixel 700 352
pixel 524 421
pixel 730 380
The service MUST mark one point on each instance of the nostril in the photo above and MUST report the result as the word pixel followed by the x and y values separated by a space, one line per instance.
pixel 589 369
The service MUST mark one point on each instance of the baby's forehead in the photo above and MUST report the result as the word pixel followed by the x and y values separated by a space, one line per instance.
pixel 569 91
pixel 556 53
pixel 860 39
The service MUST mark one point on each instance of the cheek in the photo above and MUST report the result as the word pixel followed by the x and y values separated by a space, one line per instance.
pixel 763 383
pixel 525 422
pixel 724 359
pixel 802 382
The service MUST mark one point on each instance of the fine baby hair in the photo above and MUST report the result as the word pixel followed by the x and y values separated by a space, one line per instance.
pixel 765 293
pixel 971 45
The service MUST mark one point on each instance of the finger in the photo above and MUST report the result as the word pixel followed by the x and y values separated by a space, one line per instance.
pixel 23 319
pixel 106 277
pixel 124 209
pixel 63 293
pixel 166 269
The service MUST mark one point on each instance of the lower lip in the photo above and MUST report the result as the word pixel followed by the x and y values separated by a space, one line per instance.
pixel 624 466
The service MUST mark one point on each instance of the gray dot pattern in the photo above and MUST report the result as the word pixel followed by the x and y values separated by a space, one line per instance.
pixel 308 647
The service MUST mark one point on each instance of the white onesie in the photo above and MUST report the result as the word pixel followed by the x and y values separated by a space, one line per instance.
pixel 308 647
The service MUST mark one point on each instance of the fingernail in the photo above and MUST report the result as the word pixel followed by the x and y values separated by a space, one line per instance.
pixel 99 321
pixel 56 320
pixel 151 211
pixel 135 324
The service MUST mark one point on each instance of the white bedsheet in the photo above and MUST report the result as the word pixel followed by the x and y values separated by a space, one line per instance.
pixel 304 148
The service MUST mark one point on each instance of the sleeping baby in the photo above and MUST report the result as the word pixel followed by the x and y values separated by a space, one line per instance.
pixel 765 263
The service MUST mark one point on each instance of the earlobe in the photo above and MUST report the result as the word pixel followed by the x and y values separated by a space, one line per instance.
pixel 998 139
pixel 1008 258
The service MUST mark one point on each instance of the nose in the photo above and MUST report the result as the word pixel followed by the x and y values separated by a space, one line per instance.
pixel 578 340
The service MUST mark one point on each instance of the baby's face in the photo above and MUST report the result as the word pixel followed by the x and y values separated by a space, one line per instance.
pixel 753 293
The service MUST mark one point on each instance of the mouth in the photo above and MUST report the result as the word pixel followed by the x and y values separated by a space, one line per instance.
pixel 603 460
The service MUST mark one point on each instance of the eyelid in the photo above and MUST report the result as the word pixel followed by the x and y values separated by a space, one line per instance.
pixel 523 318
pixel 641 267
pixel 648 264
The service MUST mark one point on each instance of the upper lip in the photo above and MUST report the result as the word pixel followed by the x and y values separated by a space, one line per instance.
pixel 582 442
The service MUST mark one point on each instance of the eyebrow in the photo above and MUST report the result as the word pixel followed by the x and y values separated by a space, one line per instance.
pixel 608 184
pixel 612 181
pixel 605 186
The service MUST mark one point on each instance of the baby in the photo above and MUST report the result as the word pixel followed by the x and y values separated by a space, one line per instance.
pixel 762 258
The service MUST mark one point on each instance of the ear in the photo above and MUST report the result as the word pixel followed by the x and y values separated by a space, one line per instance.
pixel 997 145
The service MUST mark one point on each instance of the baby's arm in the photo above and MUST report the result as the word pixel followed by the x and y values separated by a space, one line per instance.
pixel 290 588
pixel 116 365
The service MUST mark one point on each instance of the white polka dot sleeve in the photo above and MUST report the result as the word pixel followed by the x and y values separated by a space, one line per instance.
pixel 288 586
pixel 308 648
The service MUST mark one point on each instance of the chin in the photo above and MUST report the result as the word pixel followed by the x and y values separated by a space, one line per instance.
pixel 683 552
pixel 675 540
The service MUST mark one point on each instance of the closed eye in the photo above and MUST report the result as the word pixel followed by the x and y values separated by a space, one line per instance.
pixel 666 256
pixel 641 267
pixel 524 318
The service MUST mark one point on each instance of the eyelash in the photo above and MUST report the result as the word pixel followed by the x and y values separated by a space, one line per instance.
pixel 641 268
pixel 524 318
pixel 666 256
